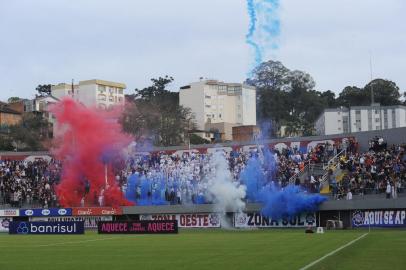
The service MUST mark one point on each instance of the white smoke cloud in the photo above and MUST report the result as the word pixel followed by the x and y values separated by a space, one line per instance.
pixel 226 194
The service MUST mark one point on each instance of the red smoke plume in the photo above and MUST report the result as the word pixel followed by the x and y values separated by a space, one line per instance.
pixel 90 140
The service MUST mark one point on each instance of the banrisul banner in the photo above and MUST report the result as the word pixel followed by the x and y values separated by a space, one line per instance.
pixel 90 221
pixel 256 220
pixel 5 223
pixel 138 227
pixel 51 212
pixel 76 227
pixel 188 220
pixel 379 218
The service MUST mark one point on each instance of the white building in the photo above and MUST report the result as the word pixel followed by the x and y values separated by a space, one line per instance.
pixel 220 105
pixel 99 93
pixel 360 118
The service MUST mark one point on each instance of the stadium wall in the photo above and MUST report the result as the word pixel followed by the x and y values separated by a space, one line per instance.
pixel 392 136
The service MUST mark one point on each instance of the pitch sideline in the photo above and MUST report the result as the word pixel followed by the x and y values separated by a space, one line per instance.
pixel 78 242
pixel 333 252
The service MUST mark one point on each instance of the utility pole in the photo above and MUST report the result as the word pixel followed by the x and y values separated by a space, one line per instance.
pixel 372 86
pixel 73 90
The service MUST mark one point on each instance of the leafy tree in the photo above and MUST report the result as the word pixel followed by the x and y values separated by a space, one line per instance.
pixel 29 134
pixel 385 92
pixel 155 113
pixel 195 139
pixel 44 89
pixel 329 98
pixel 13 99
pixel 287 98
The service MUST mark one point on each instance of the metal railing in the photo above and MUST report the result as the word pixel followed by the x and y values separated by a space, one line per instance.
pixel 332 164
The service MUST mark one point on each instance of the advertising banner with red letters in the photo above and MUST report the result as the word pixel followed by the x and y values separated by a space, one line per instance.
pixel 9 212
pixel 97 211
pixel 188 220
pixel 90 221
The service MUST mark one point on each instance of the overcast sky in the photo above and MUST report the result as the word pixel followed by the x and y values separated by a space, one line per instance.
pixel 131 41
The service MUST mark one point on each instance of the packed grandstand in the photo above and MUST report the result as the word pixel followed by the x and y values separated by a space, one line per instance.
pixel 378 170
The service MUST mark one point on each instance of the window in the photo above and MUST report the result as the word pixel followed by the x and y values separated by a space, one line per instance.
pixel 219 115
pixel 102 97
pixel 357 112
pixel 111 99
pixel 208 97
pixel 102 88
pixel 376 120
pixel 207 106
pixel 120 91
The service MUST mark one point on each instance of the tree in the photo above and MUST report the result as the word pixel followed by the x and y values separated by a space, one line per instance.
pixel 44 89
pixel 196 139
pixel 155 113
pixel 353 96
pixel 287 98
pixel 329 98
pixel 385 92
pixel 29 134
pixel 13 99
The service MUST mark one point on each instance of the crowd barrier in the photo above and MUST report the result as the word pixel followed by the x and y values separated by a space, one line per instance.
pixel 92 217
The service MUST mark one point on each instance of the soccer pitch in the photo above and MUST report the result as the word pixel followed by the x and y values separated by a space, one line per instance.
pixel 207 249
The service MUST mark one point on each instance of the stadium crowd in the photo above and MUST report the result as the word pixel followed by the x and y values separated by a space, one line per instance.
pixel 181 177
pixel 379 170
pixel 29 182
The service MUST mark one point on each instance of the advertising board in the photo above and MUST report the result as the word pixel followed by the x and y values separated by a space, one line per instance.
pixel 22 227
pixel 188 220
pixel 97 211
pixel 256 220
pixel 379 218
pixel 90 221
pixel 47 212
pixel 9 212
pixel 138 227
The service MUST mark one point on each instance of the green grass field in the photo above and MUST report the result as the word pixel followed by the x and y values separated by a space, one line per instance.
pixel 206 249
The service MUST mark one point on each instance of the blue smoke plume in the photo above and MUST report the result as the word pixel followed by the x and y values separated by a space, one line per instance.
pixel 142 191
pixel 279 201
pixel 264 28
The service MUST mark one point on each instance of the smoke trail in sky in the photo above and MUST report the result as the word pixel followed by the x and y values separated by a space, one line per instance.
pixel 264 28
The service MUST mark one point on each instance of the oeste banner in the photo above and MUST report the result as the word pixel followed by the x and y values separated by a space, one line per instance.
pixel 97 211
pixel 138 227
pixel 188 220
pixel 90 221
pixel 256 220
pixel 19 227
pixel 379 218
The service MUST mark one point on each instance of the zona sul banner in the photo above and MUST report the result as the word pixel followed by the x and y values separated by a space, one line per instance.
pixel 256 220
pixel 138 227
pixel 19 227
pixel 379 218
pixel 51 212
pixel 188 220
